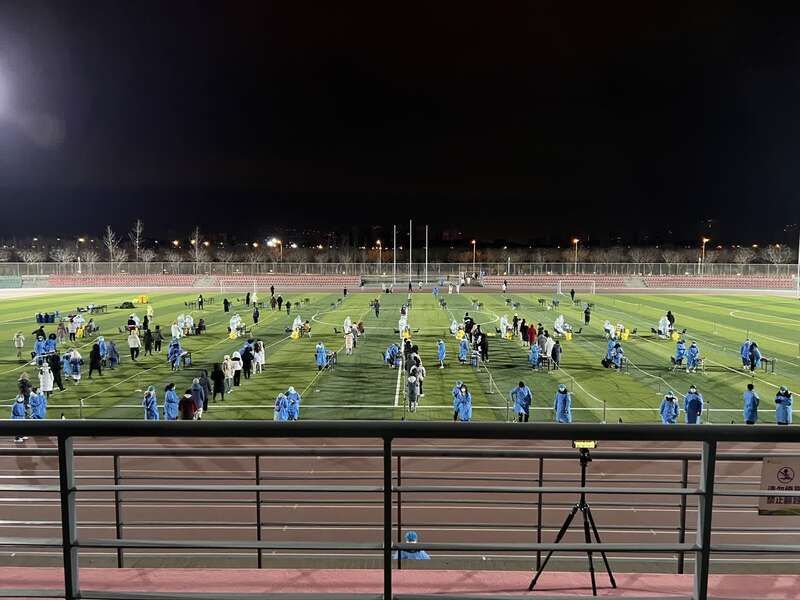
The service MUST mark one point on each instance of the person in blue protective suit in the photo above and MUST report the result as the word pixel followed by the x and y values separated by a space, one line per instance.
pixel 755 357
pixel 441 352
pixel 171 401
pixel 281 412
pixel 744 351
pixel 610 350
pixel 692 358
pixel 533 356
pixel 391 354
pixel 150 404
pixel 462 405
pixel 113 355
pixel 320 356
pixel 693 406
pixel 750 408
pixel 38 405
pixel 456 389
pixel 522 397
pixel 669 409
pixel 101 342
pixel 293 404
pixel 18 413
pixel 562 407
pixel 783 406
pixel 50 343
pixel 616 357
pixel 463 350
pixel 411 538
pixel 680 352
pixel 174 352
pixel 40 348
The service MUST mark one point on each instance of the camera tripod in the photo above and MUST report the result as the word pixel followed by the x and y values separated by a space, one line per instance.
pixel 588 523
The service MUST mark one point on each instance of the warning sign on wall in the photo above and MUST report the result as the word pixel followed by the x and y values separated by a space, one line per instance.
pixel 780 474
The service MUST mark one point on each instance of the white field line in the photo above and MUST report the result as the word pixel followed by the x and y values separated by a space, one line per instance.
pixel 321 371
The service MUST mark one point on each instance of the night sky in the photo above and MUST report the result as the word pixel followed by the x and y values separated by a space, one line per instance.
pixel 522 120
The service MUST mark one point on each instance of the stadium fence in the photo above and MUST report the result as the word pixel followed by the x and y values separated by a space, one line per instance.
pixel 415 272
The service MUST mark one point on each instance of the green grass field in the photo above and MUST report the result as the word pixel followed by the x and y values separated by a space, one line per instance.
pixel 361 387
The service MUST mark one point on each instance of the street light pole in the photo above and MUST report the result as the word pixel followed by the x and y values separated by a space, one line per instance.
pixel 474 252
pixel 576 241
pixel 703 256
pixel 380 256
pixel 797 279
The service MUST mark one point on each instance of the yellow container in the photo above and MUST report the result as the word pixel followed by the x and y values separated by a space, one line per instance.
pixel 625 335
pixel 295 334
pixel 568 336
pixel 459 334
pixel 675 336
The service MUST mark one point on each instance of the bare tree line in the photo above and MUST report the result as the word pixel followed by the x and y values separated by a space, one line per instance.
pixel 114 249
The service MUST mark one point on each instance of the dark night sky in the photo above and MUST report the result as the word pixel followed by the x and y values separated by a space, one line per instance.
pixel 517 118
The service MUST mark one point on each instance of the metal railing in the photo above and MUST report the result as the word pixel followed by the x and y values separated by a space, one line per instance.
pixel 394 486
pixel 416 271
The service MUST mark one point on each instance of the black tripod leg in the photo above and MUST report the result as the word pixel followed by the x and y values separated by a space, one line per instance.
pixel 603 554
pixel 560 535
pixel 588 537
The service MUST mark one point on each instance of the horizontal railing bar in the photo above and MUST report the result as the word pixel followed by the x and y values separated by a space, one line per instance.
pixel 28 488
pixel 244 452
pixel 88 595
pixel 226 544
pixel 560 547
pixel 756 548
pixel 395 430
pixel 439 489
pixel 230 488
pixel 36 542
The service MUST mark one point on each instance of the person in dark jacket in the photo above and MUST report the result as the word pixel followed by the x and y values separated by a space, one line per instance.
pixel 555 354
pixel 226 305
pixel 205 382
pixel 279 300
pixel 55 366
pixel 247 362
pixel 288 307
pixel 187 407
pixel 587 314
pixel 95 361
pixel 148 342
pixel 256 314
pixel 158 337
pixel 198 397
pixel 247 299
pixel 218 379
pixel 271 290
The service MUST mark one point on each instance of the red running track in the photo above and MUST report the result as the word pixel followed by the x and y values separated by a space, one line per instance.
pixel 358 581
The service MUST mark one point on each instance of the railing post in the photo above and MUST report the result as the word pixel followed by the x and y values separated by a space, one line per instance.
pixel 539 514
pixel 705 506
pixel 118 511
pixel 66 477
pixel 387 518
pixel 682 514
pixel 258 511
pixel 399 509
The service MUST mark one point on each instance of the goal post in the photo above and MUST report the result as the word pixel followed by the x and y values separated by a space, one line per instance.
pixel 579 285
pixel 241 285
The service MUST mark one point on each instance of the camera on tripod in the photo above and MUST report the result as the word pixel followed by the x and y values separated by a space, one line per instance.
pixel 589 525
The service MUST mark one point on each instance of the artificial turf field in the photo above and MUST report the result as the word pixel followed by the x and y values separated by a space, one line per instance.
pixel 361 387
